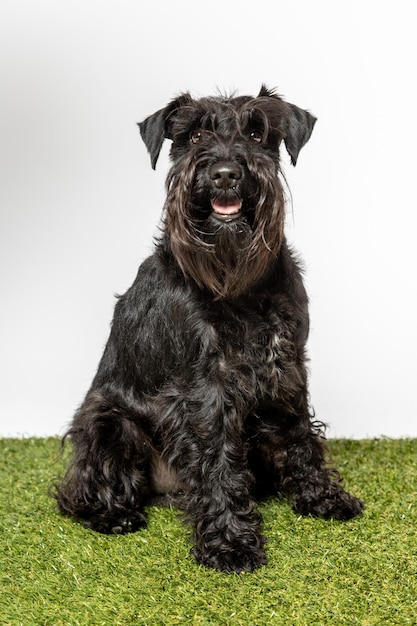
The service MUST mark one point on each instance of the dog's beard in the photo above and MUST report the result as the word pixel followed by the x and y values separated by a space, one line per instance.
pixel 221 264
pixel 225 256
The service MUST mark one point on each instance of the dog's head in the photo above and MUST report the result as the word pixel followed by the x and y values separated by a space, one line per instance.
pixel 225 202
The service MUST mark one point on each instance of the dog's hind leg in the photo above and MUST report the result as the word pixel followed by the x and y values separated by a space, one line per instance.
pixel 313 482
pixel 289 456
pixel 107 482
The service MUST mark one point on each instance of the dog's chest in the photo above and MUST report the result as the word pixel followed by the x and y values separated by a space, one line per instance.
pixel 260 350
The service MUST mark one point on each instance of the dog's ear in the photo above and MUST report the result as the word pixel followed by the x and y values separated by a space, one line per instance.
pixel 299 126
pixel 157 127
pixel 296 124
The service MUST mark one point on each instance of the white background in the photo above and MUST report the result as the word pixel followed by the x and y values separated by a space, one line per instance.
pixel 79 203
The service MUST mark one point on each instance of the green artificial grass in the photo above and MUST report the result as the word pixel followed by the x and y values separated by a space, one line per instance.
pixel 53 571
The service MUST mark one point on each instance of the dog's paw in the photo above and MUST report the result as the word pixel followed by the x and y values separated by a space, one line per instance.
pixel 238 560
pixel 119 526
pixel 340 505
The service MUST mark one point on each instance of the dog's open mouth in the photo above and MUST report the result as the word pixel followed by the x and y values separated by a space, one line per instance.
pixel 226 208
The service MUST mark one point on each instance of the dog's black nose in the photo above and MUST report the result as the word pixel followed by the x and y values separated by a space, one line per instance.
pixel 225 174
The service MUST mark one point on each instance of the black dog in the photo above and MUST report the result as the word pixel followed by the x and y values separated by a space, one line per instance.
pixel 201 396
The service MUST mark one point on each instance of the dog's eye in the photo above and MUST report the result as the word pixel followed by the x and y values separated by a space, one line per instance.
pixel 256 136
pixel 197 136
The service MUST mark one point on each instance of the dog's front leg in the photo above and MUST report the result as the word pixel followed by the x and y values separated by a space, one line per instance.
pixel 227 529
pixel 212 462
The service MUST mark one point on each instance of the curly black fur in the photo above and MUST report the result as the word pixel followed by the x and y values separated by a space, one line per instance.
pixel 201 396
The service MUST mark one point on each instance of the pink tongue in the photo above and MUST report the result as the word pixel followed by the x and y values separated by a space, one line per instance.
pixel 226 208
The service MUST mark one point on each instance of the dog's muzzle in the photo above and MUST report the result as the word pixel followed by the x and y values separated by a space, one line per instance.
pixel 225 175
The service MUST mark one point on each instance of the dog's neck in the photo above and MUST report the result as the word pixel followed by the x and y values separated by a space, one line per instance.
pixel 224 272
